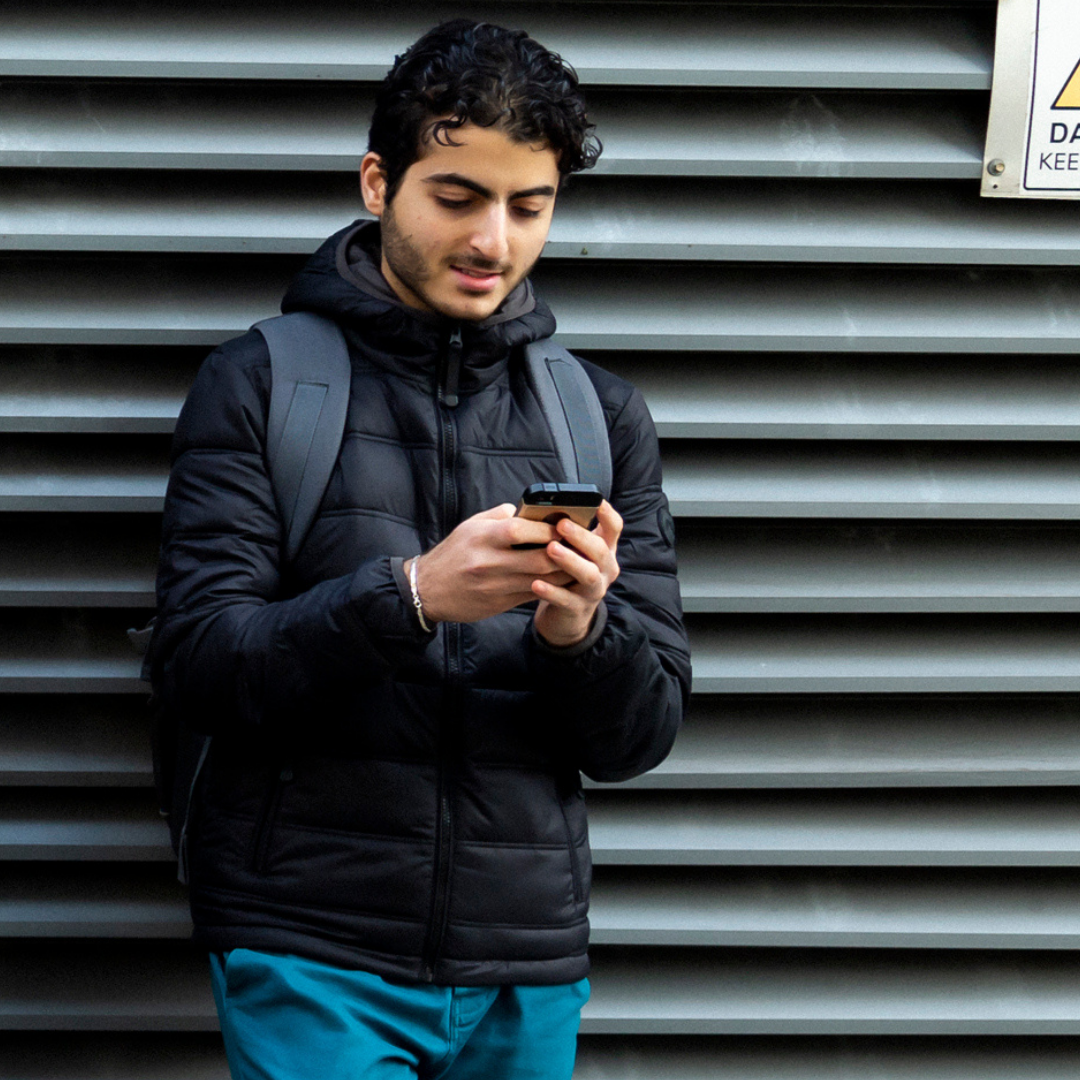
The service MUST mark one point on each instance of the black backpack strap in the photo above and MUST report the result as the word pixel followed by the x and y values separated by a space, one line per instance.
pixel 309 397
pixel 573 413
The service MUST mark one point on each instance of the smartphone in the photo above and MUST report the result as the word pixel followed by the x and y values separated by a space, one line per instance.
pixel 553 502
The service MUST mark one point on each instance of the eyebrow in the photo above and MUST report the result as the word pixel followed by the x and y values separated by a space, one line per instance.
pixel 463 181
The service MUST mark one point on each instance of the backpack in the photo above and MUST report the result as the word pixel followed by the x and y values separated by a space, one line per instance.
pixel 310 375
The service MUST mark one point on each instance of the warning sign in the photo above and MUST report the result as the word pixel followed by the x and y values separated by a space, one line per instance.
pixel 1033 141
pixel 1069 98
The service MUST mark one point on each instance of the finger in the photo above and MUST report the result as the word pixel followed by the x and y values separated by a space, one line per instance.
pixel 522 531
pixel 589 543
pixel 588 577
pixel 498 513
pixel 609 523
pixel 564 600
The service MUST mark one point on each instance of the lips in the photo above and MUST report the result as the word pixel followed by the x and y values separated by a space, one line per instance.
pixel 476 280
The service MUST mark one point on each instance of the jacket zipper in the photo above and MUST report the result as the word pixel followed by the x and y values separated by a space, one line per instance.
pixel 447 399
pixel 265 830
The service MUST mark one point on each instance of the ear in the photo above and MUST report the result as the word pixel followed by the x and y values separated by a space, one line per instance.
pixel 373 183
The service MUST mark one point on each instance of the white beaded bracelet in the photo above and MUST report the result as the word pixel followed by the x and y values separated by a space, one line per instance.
pixel 416 596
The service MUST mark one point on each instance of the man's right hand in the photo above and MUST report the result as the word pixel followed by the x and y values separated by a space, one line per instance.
pixel 476 572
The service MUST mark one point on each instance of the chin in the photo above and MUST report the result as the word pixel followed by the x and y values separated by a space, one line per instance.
pixel 471 309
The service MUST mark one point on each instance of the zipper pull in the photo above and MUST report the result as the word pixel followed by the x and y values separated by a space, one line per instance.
pixel 453 369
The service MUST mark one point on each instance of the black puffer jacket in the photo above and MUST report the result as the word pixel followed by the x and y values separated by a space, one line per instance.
pixel 378 797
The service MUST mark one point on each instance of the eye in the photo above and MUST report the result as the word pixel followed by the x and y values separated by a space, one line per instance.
pixel 452 204
pixel 525 212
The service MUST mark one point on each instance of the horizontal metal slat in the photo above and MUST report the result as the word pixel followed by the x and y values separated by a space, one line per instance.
pixel 319 126
pixel 166 988
pixel 82 474
pixel 978 827
pixel 83 900
pixel 92 560
pixel 853 396
pixel 971 481
pixel 676 44
pixel 843 992
pixel 159 986
pixel 118 390
pixel 773 741
pixel 654 906
pixel 1034 481
pixel 1027 481
pixel 598 217
pixel 813 566
pixel 82 825
pixel 875 740
pixel 885 654
pixel 54 651
pixel 75 740
pixel 130 1055
pixel 842 908
pixel 918 1057
pixel 200 301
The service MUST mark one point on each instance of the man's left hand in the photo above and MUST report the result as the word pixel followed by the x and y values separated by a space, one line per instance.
pixel 565 613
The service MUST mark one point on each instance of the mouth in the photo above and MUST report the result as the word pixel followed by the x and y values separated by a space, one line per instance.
pixel 474 279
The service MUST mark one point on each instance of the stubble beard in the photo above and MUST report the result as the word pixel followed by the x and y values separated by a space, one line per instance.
pixel 410 267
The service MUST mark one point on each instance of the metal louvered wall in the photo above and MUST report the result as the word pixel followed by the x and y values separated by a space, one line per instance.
pixel 862 858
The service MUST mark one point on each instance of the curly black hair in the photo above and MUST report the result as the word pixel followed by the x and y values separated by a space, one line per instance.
pixel 464 72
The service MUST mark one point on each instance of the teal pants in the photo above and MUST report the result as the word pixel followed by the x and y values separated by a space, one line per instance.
pixel 286 1018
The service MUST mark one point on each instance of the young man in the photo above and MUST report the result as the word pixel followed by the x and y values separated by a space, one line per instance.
pixel 389 859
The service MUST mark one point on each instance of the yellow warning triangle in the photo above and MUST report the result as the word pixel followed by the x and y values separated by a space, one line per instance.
pixel 1069 98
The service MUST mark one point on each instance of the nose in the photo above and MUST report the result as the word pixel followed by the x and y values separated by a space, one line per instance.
pixel 489 239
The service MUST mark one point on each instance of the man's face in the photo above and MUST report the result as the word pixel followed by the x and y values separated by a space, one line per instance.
pixel 467 222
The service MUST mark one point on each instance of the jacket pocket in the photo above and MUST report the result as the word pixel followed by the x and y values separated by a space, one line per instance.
pixel 264 827
pixel 575 854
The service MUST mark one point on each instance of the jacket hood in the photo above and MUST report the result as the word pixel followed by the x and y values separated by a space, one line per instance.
pixel 342 281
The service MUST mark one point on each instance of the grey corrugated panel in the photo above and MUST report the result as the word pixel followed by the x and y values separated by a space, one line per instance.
pixel 82 473
pixel 873 479
pixel 842 908
pixel 113 986
pixel 921 1057
pixel 871 567
pixel 1036 481
pixel 876 740
pixel 674 44
pixel 56 1055
pixel 816 992
pixel 75 740
pixel 135 1056
pixel 318 126
pixel 80 900
pixel 685 306
pixel 79 390
pixel 57 651
pixel 165 987
pixel 1007 827
pixel 810 396
pixel 988 827
pixel 93 560
pixel 598 217
pixel 853 396
pixel 81 825
pixel 885 654
pixel 731 906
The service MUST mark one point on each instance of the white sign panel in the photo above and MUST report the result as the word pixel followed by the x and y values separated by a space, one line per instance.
pixel 1033 141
